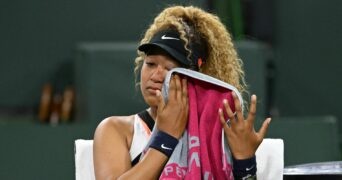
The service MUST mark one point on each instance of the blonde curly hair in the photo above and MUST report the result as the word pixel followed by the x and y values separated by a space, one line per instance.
pixel 222 61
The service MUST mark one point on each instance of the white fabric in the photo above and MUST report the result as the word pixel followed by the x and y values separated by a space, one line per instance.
pixel 270 159
pixel 84 167
pixel 140 138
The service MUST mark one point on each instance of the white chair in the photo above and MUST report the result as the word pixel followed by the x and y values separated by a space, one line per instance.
pixel 270 159
pixel 84 167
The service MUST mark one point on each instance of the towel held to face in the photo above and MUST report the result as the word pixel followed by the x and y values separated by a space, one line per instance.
pixel 202 151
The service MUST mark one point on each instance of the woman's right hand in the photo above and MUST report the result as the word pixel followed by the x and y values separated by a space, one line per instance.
pixel 172 117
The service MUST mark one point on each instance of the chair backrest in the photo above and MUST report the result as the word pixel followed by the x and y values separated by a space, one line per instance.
pixel 84 166
pixel 269 157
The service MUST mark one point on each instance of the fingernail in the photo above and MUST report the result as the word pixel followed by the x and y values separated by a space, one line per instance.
pixel 269 120
pixel 220 110
pixel 225 101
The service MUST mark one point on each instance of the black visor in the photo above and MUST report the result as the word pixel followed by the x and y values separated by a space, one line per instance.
pixel 169 41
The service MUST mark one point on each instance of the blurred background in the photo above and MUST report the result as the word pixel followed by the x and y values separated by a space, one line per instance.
pixel 66 65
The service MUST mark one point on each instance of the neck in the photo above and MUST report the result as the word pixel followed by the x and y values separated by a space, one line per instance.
pixel 153 112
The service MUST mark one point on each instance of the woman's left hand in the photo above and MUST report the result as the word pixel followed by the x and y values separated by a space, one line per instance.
pixel 242 138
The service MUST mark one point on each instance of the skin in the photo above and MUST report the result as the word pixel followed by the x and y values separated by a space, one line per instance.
pixel 114 135
pixel 242 138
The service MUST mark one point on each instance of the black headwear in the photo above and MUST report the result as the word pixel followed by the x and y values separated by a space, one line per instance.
pixel 170 41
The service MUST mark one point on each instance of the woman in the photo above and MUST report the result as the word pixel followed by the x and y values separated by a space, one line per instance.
pixel 185 37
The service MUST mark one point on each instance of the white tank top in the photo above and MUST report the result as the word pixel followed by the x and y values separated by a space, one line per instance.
pixel 141 135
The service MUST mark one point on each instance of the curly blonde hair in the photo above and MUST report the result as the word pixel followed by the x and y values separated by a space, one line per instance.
pixel 222 61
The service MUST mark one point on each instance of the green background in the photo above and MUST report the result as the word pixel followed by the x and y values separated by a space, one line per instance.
pixel 91 45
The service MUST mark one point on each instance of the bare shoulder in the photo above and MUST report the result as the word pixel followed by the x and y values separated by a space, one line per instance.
pixel 121 122
pixel 121 126
pixel 111 146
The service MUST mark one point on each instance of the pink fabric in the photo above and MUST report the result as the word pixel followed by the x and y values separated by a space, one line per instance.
pixel 205 157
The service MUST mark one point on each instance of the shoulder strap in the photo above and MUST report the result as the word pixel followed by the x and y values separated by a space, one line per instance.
pixel 146 117
pixel 135 160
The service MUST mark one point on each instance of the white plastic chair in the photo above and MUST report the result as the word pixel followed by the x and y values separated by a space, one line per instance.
pixel 84 167
pixel 269 157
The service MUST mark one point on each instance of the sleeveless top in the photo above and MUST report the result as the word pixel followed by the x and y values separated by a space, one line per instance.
pixel 143 125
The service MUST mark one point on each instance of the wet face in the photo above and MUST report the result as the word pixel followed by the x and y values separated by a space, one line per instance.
pixel 154 69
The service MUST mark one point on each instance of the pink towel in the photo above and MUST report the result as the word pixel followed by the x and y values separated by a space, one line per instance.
pixel 200 153
pixel 204 100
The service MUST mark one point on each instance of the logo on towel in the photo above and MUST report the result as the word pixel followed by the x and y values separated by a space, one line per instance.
pixel 167 37
pixel 164 147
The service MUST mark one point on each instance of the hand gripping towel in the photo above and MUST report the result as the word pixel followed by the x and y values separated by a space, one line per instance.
pixel 202 151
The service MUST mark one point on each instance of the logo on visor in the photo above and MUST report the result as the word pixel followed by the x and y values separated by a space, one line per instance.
pixel 167 37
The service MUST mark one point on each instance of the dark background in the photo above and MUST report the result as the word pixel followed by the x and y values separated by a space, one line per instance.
pixel 291 51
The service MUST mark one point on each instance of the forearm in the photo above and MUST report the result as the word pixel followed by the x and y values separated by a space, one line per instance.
pixel 150 167
pixel 161 148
